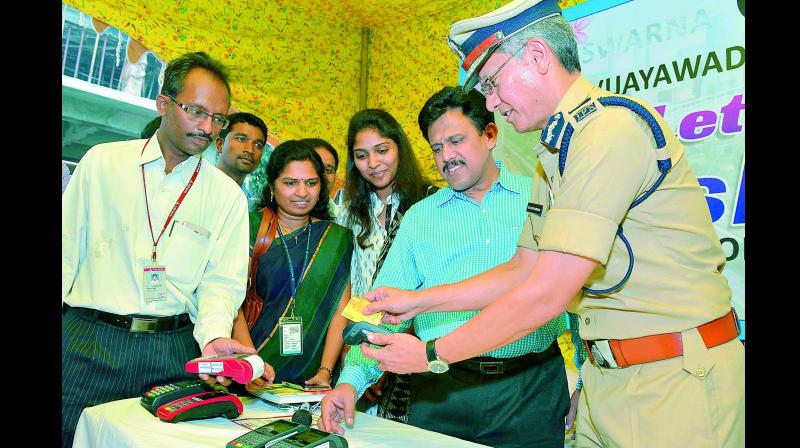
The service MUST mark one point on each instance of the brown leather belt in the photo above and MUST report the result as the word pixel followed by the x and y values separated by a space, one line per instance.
pixel 498 366
pixel 621 353
pixel 136 324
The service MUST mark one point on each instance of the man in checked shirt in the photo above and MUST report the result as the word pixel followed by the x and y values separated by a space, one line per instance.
pixel 515 395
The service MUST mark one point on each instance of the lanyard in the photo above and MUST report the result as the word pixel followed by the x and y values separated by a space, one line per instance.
pixel 295 285
pixel 174 207
pixel 388 218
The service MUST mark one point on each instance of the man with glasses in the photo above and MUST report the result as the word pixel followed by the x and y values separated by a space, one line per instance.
pixel 143 207
pixel 666 366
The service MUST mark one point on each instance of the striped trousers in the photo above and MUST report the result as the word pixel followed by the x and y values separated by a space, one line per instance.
pixel 102 363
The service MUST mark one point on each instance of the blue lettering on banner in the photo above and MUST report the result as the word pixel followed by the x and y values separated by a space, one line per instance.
pixel 738 206
pixel 714 185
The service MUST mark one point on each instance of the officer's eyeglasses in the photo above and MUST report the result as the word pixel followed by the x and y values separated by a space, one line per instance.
pixel 219 121
pixel 486 85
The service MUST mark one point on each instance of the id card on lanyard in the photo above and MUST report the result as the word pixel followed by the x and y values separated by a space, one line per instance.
pixel 291 331
pixel 154 284
pixel 290 327
pixel 154 277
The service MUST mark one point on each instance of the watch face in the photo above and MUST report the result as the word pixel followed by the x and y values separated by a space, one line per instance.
pixel 438 366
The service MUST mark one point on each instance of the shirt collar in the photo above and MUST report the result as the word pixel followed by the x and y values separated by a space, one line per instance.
pixel 577 92
pixel 152 152
pixel 580 89
pixel 377 205
pixel 505 180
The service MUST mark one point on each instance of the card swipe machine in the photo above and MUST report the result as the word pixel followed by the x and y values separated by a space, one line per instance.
pixel 201 406
pixel 242 368
pixel 288 434
pixel 356 333
pixel 165 393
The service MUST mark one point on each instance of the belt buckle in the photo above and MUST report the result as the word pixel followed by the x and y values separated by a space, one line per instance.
pixel 602 354
pixel 491 367
pixel 139 325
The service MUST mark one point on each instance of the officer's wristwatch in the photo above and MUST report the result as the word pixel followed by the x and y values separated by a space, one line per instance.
pixel 435 364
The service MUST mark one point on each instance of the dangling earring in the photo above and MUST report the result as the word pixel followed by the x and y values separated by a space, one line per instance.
pixel 271 197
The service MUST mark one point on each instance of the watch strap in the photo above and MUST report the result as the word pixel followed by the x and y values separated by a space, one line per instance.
pixel 430 350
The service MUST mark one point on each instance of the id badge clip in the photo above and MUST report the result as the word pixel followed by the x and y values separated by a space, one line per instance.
pixel 291 331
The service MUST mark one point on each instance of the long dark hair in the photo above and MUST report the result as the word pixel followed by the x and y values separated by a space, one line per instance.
pixel 295 151
pixel 409 182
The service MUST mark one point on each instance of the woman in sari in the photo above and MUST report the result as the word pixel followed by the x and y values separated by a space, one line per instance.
pixel 301 276
pixel 383 180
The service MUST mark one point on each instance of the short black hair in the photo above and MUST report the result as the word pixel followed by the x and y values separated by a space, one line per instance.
pixel 294 151
pixel 317 142
pixel 471 103
pixel 244 117
pixel 151 127
pixel 177 69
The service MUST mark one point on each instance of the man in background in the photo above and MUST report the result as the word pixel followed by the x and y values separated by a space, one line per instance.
pixel 241 145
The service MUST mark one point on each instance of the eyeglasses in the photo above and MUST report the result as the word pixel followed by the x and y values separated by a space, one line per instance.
pixel 486 84
pixel 219 121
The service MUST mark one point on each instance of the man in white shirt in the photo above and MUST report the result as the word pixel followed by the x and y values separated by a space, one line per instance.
pixel 143 207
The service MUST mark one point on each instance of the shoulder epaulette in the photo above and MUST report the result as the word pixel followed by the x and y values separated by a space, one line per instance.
pixel 558 131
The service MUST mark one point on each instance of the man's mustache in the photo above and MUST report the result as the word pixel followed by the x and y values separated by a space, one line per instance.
pixel 200 134
pixel 452 163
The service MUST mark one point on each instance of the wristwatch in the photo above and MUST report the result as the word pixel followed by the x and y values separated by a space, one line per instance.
pixel 435 364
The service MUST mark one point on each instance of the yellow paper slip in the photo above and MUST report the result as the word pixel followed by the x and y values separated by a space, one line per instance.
pixel 354 311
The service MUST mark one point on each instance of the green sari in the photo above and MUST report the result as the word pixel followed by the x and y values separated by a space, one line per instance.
pixel 318 293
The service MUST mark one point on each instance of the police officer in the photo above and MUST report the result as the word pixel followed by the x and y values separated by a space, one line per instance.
pixel 626 242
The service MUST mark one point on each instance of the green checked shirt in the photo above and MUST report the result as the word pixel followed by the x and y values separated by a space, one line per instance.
pixel 448 237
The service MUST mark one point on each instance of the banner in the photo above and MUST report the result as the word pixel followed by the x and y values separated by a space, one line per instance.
pixel 686 58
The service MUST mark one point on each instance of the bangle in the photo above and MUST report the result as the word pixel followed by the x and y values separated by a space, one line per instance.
pixel 330 373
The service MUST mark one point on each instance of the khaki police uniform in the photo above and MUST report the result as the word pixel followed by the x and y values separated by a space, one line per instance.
pixel 676 284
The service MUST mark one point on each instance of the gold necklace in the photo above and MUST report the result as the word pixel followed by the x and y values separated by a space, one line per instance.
pixel 288 231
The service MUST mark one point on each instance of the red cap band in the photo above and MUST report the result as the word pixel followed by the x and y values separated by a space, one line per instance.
pixel 479 49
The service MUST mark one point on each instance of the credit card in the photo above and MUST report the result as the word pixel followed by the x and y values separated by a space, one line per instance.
pixel 354 311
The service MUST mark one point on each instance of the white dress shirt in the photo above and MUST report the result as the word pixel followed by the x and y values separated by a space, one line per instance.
pixel 106 241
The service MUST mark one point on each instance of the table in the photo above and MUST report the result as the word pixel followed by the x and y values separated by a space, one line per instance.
pixel 125 423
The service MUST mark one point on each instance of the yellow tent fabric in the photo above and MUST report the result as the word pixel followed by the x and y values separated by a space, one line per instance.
pixel 297 63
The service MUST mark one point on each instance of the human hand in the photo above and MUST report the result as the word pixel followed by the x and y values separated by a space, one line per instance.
pixel 322 378
pixel 264 380
pixel 398 304
pixel 373 392
pixel 569 425
pixel 338 404
pixel 401 352
pixel 226 346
